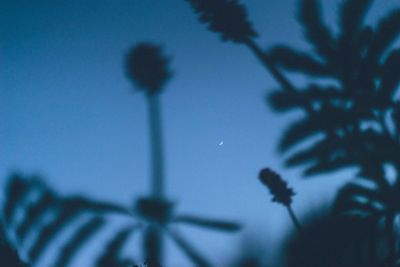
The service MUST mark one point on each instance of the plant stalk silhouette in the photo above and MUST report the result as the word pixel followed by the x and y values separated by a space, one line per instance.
pixel 282 194
pixel 147 68
pixel 229 18
pixel 356 118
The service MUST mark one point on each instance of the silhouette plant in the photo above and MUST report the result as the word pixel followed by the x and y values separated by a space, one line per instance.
pixel 362 88
pixel 62 211
pixel 357 118
pixel 8 255
pixel 65 210
pixel 376 200
pixel 153 214
pixel 351 109
pixel 331 240
pixel 280 191
pixel 147 68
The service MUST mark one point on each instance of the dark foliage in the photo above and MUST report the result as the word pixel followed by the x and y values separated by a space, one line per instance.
pixel 65 210
pixel 354 121
pixel 351 115
pixel 110 256
pixel 226 17
pixel 68 209
pixel 330 241
pixel 8 255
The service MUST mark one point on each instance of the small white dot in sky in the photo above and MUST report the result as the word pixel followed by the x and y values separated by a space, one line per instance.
pixel 221 143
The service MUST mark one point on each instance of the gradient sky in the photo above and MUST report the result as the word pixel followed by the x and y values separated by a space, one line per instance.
pixel 69 113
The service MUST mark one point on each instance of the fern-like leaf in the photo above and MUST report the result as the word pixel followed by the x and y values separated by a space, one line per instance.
pixel 299 62
pixel 112 252
pixel 315 30
pixel 85 232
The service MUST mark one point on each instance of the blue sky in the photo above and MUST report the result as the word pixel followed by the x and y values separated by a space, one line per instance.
pixel 69 113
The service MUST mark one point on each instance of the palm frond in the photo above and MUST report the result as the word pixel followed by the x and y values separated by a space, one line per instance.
pixel 65 209
pixel 292 60
pixel 352 13
pixel 390 76
pixel 387 32
pixel 68 212
pixel 85 232
pixel 193 255
pixel 17 189
pixel 353 190
pixel 34 214
pixel 326 166
pixel 315 30
pixel 208 223
pixel 112 252
pixel 355 207
pixel 283 101
pixel 321 149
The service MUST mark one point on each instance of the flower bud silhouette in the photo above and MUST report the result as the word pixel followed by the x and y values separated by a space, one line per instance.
pixel 278 188
pixel 147 67
pixel 226 17
pixel 280 191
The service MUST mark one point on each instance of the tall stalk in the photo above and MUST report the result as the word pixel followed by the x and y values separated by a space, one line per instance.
pixel 153 234
pixel 157 150
pixel 148 69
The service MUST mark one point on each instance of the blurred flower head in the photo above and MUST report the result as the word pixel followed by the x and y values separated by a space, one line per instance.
pixel 226 17
pixel 147 67
pixel 277 187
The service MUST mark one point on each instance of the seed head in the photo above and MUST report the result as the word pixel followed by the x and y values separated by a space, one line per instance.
pixel 277 187
pixel 147 67
pixel 226 17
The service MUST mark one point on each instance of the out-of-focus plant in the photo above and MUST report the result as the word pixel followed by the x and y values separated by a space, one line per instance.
pixel 49 214
pixel 350 105
pixel 148 69
pixel 154 214
pixel 8 255
pixel 331 240
pixel 282 194
pixel 356 118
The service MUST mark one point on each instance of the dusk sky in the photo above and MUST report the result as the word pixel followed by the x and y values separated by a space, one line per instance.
pixel 69 113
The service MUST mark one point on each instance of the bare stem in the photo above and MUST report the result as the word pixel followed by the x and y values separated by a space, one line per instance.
pixel 153 236
pixel 157 156
pixel 294 219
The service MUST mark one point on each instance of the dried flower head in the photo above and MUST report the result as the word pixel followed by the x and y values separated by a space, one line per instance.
pixel 277 187
pixel 147 67
pixel 226 17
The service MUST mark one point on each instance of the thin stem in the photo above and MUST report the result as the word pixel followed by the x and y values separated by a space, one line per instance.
pixel 157 153
pixel 153 237
pixel 152 241
pixel 294 219
pixel 279 77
